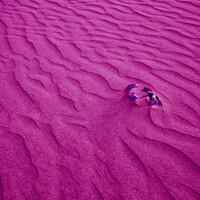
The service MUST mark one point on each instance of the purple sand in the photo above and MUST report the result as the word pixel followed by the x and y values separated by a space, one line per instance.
pixel 66 130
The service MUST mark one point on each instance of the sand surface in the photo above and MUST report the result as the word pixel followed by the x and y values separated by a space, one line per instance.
pixel 68 130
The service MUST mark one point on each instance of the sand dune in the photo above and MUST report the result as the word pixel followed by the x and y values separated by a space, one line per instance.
pixel 67 127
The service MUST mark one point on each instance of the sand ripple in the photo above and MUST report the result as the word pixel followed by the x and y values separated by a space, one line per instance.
pixel 68 130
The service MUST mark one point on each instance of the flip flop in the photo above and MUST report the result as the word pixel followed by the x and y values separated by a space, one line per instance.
pixel 133 96
pixel 147 89
pixel 131 86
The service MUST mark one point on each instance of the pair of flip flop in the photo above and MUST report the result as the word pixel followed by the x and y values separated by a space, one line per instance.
pixel 154 100
pixel 132 95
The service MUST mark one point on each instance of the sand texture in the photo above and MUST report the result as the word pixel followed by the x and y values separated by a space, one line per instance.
pixel 68 130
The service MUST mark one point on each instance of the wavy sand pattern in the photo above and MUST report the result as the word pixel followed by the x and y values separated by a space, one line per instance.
pixel 68 130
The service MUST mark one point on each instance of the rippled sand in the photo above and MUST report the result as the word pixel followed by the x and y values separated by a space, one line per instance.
pixel 68 130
